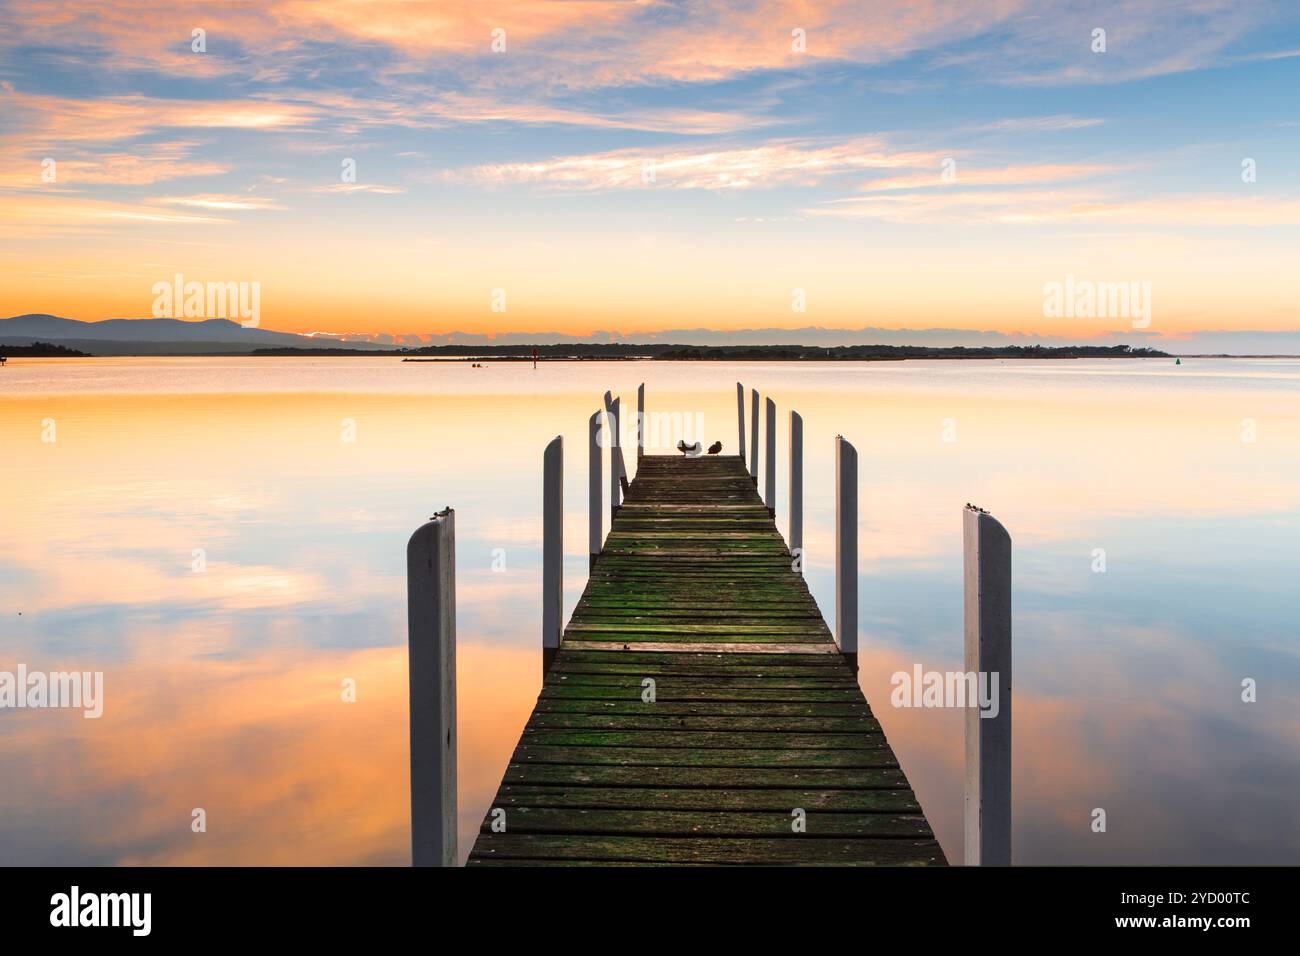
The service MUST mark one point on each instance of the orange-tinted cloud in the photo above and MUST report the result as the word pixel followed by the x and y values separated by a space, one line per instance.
pixel 772 164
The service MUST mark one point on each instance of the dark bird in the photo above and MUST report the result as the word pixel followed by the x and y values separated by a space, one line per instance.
pixel 715 448
pixel 686 449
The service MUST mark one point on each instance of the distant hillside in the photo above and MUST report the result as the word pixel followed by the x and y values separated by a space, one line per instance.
pixel 40 350
pixel 749 353
pixel 158 336
pixel 777 353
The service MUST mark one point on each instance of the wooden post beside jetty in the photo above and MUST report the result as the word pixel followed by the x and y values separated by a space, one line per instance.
pixel 753 434
pixel 595 519
pixel 616 469
pixel 431 646
pixel 769 462
pixel 640 421
pixel 796 488
pixel 846 548
pixel 987 570
pixel 740 418
pixel 552 549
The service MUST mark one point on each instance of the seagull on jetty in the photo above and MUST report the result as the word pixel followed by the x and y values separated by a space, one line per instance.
pixel 715 448
pixel 691 451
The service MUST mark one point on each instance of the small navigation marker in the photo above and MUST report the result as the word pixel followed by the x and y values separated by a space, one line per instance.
pixel 1178 361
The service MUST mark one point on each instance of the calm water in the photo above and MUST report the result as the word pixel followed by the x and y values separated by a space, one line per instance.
pixel 224 686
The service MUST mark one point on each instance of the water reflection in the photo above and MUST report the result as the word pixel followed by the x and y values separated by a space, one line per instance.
pixel 223 684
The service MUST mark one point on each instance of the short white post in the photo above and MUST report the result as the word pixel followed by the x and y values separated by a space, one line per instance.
pixel 740 417
pixel 987 567
pixel 769 463
pixel 640 421
pixel 796 489
pixel 594 518
pixel 846 548
pixel 552 548
pixel 753 434
pixel 431 655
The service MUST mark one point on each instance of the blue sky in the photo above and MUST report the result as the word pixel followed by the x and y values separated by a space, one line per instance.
pixel 634 167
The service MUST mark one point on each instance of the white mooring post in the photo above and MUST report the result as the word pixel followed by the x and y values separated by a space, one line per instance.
pixel 769 463
pixel 431 650
pixel 594 517
pixel 640 422
pixel 846 549
pixel 616 467
pixel 753 434
pixel 987 567
pixel 740 417
pixel 796 488
pixel 552 548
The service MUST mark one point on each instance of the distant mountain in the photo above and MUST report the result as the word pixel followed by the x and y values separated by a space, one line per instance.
pixel 179 337
pixel 1218 342
pixel 158 336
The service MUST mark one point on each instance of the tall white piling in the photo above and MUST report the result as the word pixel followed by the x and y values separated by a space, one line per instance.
pixel 796 488
pixel 753 434
pixel 740 418
pixel 986 547
pixel 640 421
pixel 846 549
pixel 595 519
pixel 616 467
pixel 431 650
pixel 769 462
pixel 552 548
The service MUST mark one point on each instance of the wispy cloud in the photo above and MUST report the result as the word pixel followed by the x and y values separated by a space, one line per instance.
pixel 1063 206
pixel 34 214
pixel 55 120
pixel 1039 124
pixel 220 202
pixel 20 168
pixel 747 167
pixel 375 188
pixel 966 175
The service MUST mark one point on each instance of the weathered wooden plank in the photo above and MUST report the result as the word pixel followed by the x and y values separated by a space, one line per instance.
pixel 570 654
pixel 754 694
pixel 775 851
pixel 767 709
pixel 718 778
pixel 776 668
pixel 698 798
pixel 659 722
pixel 700 740
pixel 716 823
pixel 683 682
pixel 684 645
pixel 716 757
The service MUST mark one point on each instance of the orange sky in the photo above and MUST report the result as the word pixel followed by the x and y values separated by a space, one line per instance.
pixel 404 169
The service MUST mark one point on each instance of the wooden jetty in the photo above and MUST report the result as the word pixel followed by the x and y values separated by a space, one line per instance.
pixel 697 709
